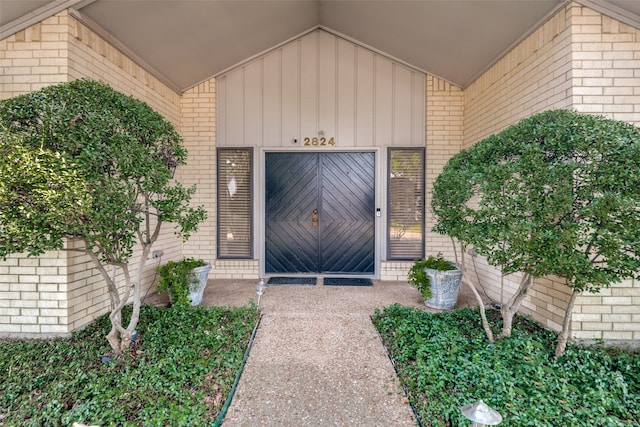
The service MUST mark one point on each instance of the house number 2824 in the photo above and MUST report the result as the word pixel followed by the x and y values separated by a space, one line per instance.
pixel 316 141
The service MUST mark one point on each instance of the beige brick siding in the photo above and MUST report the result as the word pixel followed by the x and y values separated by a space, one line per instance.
pixel 533 77
pixel 612 314
pixel 198 128
pixel 34 58
pixel 33 291
pixel 394 270
pixel 606 80
pixel 91 56
pixel 606 66
pixel 32 295
pixel 444 137
pixel 236 269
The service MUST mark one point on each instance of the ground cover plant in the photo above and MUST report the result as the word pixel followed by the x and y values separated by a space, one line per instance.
pixel 179 371
pixel 445 361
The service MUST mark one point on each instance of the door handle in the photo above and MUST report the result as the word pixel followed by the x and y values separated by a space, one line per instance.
pixel 314 218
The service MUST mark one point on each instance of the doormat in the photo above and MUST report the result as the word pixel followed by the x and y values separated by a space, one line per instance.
pixel 292 281
pixel 347 281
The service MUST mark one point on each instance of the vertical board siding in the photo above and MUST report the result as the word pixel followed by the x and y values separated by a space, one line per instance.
pixel 418 87
pixel 402 104
pixel 321 85
pixel 290 77
pixel 364 98
pixel 383 117
pixel 253 110
pixel 221 120
pixel 309 84
pixel 234 105
pixel 346 93
pixel 327 83
pixel 272 95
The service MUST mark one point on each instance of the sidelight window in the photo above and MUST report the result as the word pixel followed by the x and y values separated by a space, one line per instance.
pixel 405 232
pixel 235 239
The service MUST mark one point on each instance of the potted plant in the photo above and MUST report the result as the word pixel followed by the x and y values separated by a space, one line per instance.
pixel 184 280
pixel 438 280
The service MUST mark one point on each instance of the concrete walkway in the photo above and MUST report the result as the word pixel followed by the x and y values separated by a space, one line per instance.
pixel 317 360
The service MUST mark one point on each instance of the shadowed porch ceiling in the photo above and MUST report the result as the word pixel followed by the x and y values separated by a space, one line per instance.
pixel 184 42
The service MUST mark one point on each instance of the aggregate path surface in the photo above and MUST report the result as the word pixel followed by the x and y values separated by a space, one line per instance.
pixel 316 359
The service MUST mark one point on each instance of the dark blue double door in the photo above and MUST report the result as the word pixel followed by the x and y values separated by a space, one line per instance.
pixel 320 212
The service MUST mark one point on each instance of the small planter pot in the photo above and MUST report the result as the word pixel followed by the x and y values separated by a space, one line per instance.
pixel 445 286
pixel 197 288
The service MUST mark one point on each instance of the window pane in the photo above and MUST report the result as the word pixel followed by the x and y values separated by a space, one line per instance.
pixel 406 204
pixel 234 203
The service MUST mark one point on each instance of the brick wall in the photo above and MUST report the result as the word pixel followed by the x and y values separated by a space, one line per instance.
pixel 606 81
pixel 533 77
pixel 236 269
pixel 34 58
pixel 33 296
pixel 606 66
pixel 444 137
pixel 612 314
pixel 198 128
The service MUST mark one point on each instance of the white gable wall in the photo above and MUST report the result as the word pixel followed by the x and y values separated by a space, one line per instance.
pixel 321 84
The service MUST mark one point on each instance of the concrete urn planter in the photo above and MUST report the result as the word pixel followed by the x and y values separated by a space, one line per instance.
pixel 183 280
pixel 445 286
pixel 196 290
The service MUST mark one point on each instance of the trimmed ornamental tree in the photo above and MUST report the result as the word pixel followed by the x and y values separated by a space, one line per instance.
pixel 556 194
pixel 85 168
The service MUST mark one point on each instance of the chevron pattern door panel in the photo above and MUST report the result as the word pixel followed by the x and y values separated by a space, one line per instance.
pixel 291 239
pixel 319 212
pixel 348 212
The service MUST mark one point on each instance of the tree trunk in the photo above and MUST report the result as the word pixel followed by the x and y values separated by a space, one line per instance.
pixel 509 310
pixel 117 337
pixel 127 334
pixel 483 314
pixel 563 337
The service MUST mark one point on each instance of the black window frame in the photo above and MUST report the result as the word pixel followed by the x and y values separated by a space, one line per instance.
pixel 219 214
pixel 420 254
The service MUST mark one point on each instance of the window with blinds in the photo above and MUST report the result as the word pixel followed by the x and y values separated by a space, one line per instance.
pixel 405 220
pixel 235 232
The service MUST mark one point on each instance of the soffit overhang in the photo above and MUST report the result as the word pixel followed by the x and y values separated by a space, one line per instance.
pixel 184 42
